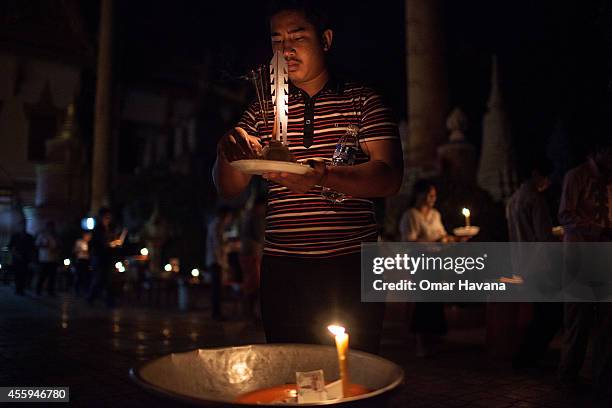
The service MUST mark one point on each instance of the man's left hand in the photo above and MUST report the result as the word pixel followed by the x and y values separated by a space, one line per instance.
pixel 299 183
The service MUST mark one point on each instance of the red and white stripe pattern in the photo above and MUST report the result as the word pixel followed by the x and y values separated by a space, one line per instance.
pixel 306 225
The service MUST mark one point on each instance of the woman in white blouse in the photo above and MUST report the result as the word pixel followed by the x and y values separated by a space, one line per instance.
pixel 422 223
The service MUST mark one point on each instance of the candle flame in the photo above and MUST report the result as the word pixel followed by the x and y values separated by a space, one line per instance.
pixel 465 212
pixel 336 330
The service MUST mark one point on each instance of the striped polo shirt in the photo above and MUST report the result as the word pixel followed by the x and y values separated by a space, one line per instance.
pixel 306 225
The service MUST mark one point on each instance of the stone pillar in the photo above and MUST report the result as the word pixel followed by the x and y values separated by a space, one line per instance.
pixel 427 94
pixel 178 142
pixel 148 153
pixel 161 143
pixel 427 82
pixel 102 129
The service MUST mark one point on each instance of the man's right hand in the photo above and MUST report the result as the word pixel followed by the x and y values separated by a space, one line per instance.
pixel 237 144
pixel 115 243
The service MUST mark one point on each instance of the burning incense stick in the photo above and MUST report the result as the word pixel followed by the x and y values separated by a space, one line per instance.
pixel 279 88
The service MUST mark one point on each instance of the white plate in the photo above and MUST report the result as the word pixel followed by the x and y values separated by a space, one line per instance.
pixel 466 231
pixel 268 166
pixel 558 231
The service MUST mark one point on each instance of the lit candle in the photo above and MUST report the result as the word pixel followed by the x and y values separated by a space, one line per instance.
pixel 466 213
pixel 342 342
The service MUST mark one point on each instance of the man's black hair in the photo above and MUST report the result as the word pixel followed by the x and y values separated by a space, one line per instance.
pixel 535 163
pixel 315 11
pixel 104 211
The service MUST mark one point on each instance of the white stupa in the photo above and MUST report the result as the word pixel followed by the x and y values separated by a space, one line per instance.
pixel 497 171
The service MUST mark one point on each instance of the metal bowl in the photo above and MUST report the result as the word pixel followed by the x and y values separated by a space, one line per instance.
pixel 216 377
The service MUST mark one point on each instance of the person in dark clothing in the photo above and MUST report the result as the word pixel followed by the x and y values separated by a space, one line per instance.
pixel 252 231
pixel 423 223
pixel 529 220
pixel 22 250
pixel 48 244
pixel 82 263
pixel 103 241
pixel 216 257
pixel 312 245
pixel 586 215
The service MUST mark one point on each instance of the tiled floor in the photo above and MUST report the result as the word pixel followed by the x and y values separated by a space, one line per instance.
pixel 63 341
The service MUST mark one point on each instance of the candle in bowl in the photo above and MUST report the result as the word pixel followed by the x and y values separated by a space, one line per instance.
pixel 342 342
pixel 466 213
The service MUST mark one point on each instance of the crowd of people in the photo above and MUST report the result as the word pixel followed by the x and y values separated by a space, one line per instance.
pixel 37 261
pixel 234 247
pixel 85 266
pixel 584 215
pixel 40 254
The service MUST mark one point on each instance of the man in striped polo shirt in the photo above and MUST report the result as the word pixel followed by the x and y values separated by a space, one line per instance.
pixel 310 275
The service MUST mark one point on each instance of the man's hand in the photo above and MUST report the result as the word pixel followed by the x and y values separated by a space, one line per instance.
pixel 234 145
pixel 299 183
pixel 237 144
pixel 454 238
pixel 115 243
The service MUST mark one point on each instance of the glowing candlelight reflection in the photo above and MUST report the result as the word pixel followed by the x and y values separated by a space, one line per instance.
pixel 240 367
pixel 466 213
pixel 342 342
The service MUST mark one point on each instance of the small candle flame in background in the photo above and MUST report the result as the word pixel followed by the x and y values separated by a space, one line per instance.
pixel 466 213
pixel 342 342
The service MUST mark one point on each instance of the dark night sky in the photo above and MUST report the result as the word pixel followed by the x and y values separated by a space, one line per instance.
pixel 236 36
pixel 552 55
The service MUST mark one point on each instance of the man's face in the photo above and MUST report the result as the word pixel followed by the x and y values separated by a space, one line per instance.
pixel 106 220
pixel 297 39
pixel 542 182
